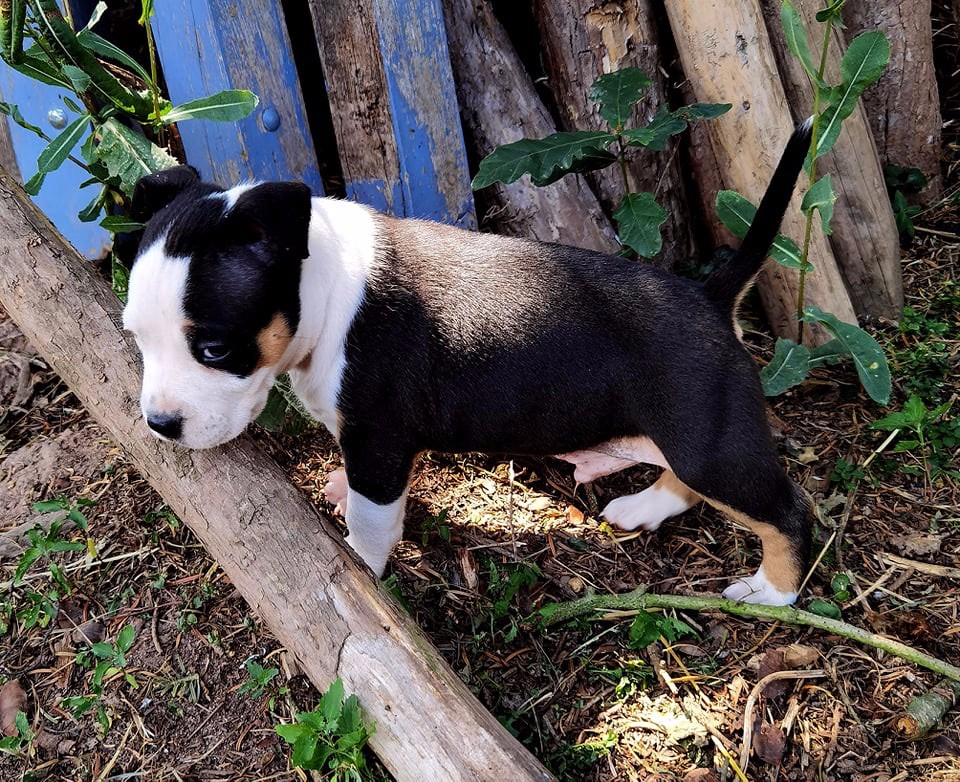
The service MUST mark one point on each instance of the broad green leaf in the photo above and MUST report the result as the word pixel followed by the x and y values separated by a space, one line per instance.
pixel 24 564
pixel 788 367
pixel 796 37
pixel 867 355
pixel 226 106
pixel 822 607
pixel 292 731
pixel 304 750
pixel 118 224
pixel 103 48
pixel 639 218
pixel 37 65
pixel 52 157
pixel 654 135
pixel 828 353
pixel 821 197
pixel 643 631
pixel 862 64
pixel 125 638
pixel 33 184
pixel 617 93
pixel 737 213
pixel 331 703
pixel 912 416
pixel 78 77
pixel 696 111
pixel 541 158
pixel 129 156
pixel 91 211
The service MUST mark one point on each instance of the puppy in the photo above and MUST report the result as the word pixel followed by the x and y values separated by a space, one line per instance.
pixel 403 335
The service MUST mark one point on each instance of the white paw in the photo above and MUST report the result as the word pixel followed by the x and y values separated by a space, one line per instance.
pixel 376 562
pixel 336 491
pixel 645 510
pixel 758 589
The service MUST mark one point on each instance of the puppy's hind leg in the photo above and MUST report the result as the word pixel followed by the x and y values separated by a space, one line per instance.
pixel 669 496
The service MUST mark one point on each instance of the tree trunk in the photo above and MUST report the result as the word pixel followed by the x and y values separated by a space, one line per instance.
pixel 499 105
pixel 582 40
pixel 283 558
pixel 904 106
pixel 865 241
pixel 726 54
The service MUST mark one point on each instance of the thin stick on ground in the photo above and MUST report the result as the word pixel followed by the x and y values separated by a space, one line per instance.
pixel 640 600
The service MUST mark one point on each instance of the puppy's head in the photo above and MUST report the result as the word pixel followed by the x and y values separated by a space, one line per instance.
pixel 213 300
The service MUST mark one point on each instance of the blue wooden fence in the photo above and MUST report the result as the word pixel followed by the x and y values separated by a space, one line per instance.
pixel 210 45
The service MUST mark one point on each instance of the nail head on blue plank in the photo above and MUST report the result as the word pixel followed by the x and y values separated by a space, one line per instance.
pixel 57 118
pixel 270 119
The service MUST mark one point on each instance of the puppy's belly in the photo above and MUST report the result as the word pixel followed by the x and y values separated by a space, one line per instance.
pixel 613 456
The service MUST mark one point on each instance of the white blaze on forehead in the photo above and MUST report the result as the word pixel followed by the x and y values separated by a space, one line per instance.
pixel 230 196
pixel 155 294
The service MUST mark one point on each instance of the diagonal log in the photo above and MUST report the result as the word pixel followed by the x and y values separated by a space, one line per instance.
pixel 287 562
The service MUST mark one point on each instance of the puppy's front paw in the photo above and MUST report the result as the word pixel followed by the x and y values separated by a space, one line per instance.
pixel 376 563
pixel 336 491
pixel 758 589
pixel 645 510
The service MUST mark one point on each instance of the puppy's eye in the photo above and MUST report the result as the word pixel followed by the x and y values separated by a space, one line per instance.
pixel 214 351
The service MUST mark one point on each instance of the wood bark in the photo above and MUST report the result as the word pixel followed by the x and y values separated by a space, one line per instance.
pixel 292 569
pixel 904 106
pixel 864 235
pixel 498 105
pixel 727 57
pixel 582 40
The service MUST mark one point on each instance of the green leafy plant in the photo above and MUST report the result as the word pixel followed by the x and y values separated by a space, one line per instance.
pixel 861 65
pixel 330 738
pixel 128 124
pixel 546 160
pixel 18 745
pixel 935 438
pixel 259 678
pixel 901 182
pixel 648 627
pixel 112 659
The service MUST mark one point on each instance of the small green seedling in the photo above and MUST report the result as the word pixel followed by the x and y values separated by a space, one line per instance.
pixel 19 744
pixel 546 160
pixel 113 659
pixel 648 627
pixel 259 680
pixel 330 738
pixel 916 418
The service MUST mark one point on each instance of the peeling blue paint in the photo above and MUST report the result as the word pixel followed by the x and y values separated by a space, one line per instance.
pixel 434 177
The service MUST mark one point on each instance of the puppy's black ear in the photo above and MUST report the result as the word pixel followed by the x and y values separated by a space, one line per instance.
pixel 279 211
pixel 155 191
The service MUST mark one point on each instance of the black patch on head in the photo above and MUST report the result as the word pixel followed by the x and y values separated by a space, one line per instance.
pixel 244 265
pixel 153 192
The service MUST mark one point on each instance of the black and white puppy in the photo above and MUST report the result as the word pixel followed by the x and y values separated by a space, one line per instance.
pixel 404 335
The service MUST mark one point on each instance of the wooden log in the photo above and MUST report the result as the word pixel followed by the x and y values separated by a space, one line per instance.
pixel 727 57
pixel 211 45
pixel 582 40
pixel 865 241
pixel 394 106
pixel 286 561
pixel 903 107
pixel 498 105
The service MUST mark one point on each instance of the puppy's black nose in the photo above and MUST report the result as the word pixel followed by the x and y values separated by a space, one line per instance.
pixel 169 425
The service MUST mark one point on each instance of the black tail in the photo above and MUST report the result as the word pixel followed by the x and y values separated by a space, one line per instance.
pixel 726 284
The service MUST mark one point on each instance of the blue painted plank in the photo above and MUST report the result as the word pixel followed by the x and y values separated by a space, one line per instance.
pixel 211 45
pixel 61 198
pixel 434 177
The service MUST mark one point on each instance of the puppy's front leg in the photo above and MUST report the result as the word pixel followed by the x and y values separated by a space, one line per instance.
pixel 377 483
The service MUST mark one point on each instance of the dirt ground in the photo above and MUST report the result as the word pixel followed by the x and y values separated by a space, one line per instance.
pixel 488 542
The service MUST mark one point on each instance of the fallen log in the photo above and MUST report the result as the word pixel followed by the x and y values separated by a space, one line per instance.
pixel 288 563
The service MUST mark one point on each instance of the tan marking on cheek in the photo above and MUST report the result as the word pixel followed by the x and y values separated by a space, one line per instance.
pixel 273 341
pixel 780 563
